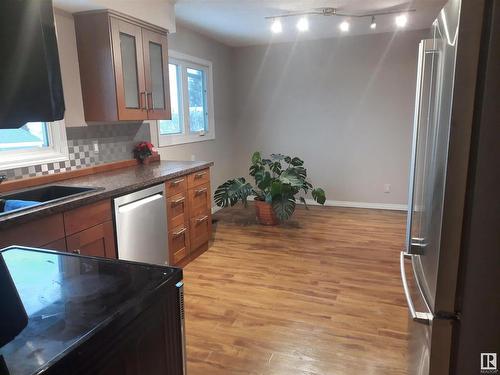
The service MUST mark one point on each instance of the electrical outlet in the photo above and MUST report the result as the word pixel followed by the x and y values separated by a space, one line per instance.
pixel 387 188
pixel 95 144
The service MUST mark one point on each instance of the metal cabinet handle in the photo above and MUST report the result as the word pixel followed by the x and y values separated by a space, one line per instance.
pixel 199 175
pixel 77 251
pixel 419 317
pixel 202 219
pixel 142 102
pixel 201 191
pixel 148 104
pixel 176 182
pixel 177 201
pixel 179 232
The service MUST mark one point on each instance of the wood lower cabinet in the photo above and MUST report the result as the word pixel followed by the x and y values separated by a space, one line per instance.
pixel 189 216
pixel 36 233
pixel 97 241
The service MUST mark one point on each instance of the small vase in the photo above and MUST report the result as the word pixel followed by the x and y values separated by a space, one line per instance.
pixel 265 213
pixel 145 161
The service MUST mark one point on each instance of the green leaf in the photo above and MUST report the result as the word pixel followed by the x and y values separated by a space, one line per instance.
pixel 256 158
pixel 284 206
pixel 263 180
pixel 278 157
pixel 288 159
pixel 276 188
pixel 292 178
pixel 319 195
pixel 297 162
pixel 231 191
pixel 255 168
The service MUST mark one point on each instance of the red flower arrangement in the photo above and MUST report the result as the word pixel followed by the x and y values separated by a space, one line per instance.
pixel 143 150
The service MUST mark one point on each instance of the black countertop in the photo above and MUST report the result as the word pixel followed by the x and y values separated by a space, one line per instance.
pixel 109 184
pixel 70 298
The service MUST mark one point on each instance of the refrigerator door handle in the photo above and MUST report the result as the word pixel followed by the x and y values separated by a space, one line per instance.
pixel 416 316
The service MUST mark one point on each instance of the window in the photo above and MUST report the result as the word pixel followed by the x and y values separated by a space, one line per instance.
pixel 191 100
pixel 34 143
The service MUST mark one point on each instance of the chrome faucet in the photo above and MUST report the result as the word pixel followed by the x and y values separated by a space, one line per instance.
pixel 3 177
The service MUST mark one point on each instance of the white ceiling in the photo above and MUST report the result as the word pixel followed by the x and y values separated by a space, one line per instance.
pixel 242 22
pixel 157 12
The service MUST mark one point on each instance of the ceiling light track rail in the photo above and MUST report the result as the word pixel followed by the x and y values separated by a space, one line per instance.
pixel 329 12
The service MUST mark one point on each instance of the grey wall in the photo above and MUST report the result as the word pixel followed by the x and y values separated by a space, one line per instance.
pixel 344 105
pixel 221 150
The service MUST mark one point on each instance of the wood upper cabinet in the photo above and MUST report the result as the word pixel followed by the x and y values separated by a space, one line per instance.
pixel 123 67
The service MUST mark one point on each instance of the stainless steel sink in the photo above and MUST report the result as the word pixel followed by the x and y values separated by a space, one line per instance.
pixel 45 195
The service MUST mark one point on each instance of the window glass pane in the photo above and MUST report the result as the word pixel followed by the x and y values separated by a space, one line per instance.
pixel 129 66
pixel 31 135
pixel 173 126
pixel 197 100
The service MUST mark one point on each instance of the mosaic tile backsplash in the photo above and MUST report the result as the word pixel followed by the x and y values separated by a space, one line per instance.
pixel 114 142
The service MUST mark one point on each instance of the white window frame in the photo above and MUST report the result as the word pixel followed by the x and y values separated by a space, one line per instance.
pixel 187 61
pixel 56 151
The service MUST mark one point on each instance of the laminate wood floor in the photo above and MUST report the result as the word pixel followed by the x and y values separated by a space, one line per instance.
pixel 318 295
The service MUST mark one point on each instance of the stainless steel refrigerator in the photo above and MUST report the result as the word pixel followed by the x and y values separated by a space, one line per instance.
pixel 437 264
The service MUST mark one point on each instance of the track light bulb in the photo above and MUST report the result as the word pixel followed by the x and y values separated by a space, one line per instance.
pixel 401 20
pixel 344 26
pixel 373 25
pixel 276 26
pixel 303 24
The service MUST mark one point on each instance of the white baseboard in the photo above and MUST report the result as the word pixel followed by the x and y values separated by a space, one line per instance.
pixel 375 206
pixel 215 209
pixel 332 203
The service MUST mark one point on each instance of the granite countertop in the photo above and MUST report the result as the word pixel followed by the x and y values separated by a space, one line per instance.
pixel 70 298
pixel 110 184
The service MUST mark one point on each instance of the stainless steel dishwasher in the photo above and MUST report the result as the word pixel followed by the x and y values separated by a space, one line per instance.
pixel 141 226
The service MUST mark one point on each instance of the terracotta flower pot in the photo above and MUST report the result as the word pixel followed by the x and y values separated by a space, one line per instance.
pixel 265 213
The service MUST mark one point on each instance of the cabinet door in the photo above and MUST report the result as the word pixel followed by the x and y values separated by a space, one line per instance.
pixel 156 75
pixel 96 241
pixel 129 70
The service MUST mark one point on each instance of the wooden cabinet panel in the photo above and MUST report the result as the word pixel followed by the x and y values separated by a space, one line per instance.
pixel 59 245
pixel 177 211
pixel 176 186
pixel 156 75
pixel 96 241
pixel 199 178
pixel 87 216
pixel 199 200
pixel 178 243
pixel 201 228
pixel 35 233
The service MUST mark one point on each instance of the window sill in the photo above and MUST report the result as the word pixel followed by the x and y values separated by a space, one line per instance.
pixel 34 158
pixel 174 140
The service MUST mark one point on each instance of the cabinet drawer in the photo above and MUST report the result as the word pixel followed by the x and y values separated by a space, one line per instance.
pixel 177 210
pixel 35 233
pixel 176 186
pixel 199 199
pixel 96 241
pixel 87 216
pixel 201 227
pixel 199 178
pixel 178 243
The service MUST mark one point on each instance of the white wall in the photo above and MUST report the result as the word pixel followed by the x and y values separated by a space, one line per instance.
pixel 221 150
pixel 344 105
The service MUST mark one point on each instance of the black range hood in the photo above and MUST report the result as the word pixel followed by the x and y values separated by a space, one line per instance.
pixel 30 75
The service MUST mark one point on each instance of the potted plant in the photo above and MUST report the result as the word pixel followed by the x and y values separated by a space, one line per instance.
pixel 143 151
pixel 278 180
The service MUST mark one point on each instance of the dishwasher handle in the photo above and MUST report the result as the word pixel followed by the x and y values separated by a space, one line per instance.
pixel 141 202
pixel 416 316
